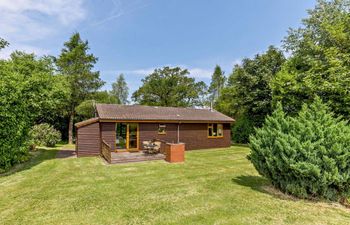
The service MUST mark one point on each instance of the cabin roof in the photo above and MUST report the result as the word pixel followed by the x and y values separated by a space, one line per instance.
pixel 158 113
pixel 87 122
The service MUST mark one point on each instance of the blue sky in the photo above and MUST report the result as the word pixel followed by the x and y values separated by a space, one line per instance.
pixel 135 36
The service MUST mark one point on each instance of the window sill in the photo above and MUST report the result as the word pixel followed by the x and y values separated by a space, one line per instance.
pixel 215 137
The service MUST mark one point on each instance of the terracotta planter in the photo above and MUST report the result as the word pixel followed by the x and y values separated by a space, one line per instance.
pixel 175 152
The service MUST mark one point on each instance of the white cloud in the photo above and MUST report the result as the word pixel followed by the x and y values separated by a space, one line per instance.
pixel 142 72
pixel 26 21
pixel 5 53
pixel 200 73
pixel 194 72
pixel 65 11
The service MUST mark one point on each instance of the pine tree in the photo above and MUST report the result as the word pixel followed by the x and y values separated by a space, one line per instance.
pixel 218 80
pixel 120 89
pixel 308 155
pixel 76 64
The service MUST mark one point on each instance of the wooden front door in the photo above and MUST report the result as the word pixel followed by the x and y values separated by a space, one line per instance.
pixel 127 136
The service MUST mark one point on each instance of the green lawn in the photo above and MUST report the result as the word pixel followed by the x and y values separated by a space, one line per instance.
pixel 211 187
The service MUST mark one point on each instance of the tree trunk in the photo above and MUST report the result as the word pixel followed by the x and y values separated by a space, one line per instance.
pixel 70 129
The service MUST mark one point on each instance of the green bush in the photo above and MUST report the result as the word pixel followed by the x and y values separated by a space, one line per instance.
pixel 14 118
pixel 307 156
pixel 241 130
pixel 29 91
pixel 44 135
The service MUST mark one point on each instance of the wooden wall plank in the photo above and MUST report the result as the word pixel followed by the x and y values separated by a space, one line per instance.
pixel 89 142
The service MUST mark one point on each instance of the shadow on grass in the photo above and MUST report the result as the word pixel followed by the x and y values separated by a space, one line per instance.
pixel 262 185
pixel 256 183
pixel 37 157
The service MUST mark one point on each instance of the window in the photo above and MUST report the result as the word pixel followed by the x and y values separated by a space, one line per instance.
pixel 215 130
pixel 161 129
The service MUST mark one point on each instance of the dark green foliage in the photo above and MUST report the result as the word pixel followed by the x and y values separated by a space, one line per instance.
pixel 248 93
pixel 28 90
pixel 308 155
pixel 170 87
pixel 319 62
pixel 44 135
pixel 248 89
pixel 242 129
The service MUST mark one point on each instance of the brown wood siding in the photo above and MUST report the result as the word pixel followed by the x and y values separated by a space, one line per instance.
pixel 149 131
pixel 88 140
pixel 195 135
pixel 108 134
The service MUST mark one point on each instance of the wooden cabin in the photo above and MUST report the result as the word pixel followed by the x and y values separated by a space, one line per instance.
pixel 126 127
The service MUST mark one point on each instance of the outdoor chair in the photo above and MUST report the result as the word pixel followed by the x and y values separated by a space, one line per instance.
pixel 146 144
pixel 152 147
pixel 156 147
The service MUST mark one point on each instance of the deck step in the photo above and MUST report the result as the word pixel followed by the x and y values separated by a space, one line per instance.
pixel 136 158
pixel 132 160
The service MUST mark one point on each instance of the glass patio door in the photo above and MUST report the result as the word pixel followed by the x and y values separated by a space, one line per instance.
pixel 127 136
pixel 132 139
pixel 121 136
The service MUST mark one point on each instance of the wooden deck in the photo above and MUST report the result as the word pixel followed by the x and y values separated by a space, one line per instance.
pixel 125 157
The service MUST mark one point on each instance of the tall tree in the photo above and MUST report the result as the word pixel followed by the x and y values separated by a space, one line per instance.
pixel 218 80
pixel 170 87
pixel 77 64
pixel 320 60
pixel 248 90
pixel 248 94
pixel 120 89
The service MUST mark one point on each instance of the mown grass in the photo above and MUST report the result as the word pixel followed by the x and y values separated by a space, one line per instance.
pixel 212 187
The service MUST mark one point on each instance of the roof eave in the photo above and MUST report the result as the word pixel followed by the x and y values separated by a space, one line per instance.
pixel 87 122
pixel 163 120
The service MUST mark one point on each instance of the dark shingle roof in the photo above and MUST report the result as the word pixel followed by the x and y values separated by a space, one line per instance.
pixel 157 113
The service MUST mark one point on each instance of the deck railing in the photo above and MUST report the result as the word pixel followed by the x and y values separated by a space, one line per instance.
pixel 106 151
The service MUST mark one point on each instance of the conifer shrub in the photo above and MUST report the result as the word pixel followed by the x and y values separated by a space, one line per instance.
pixel 307 156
